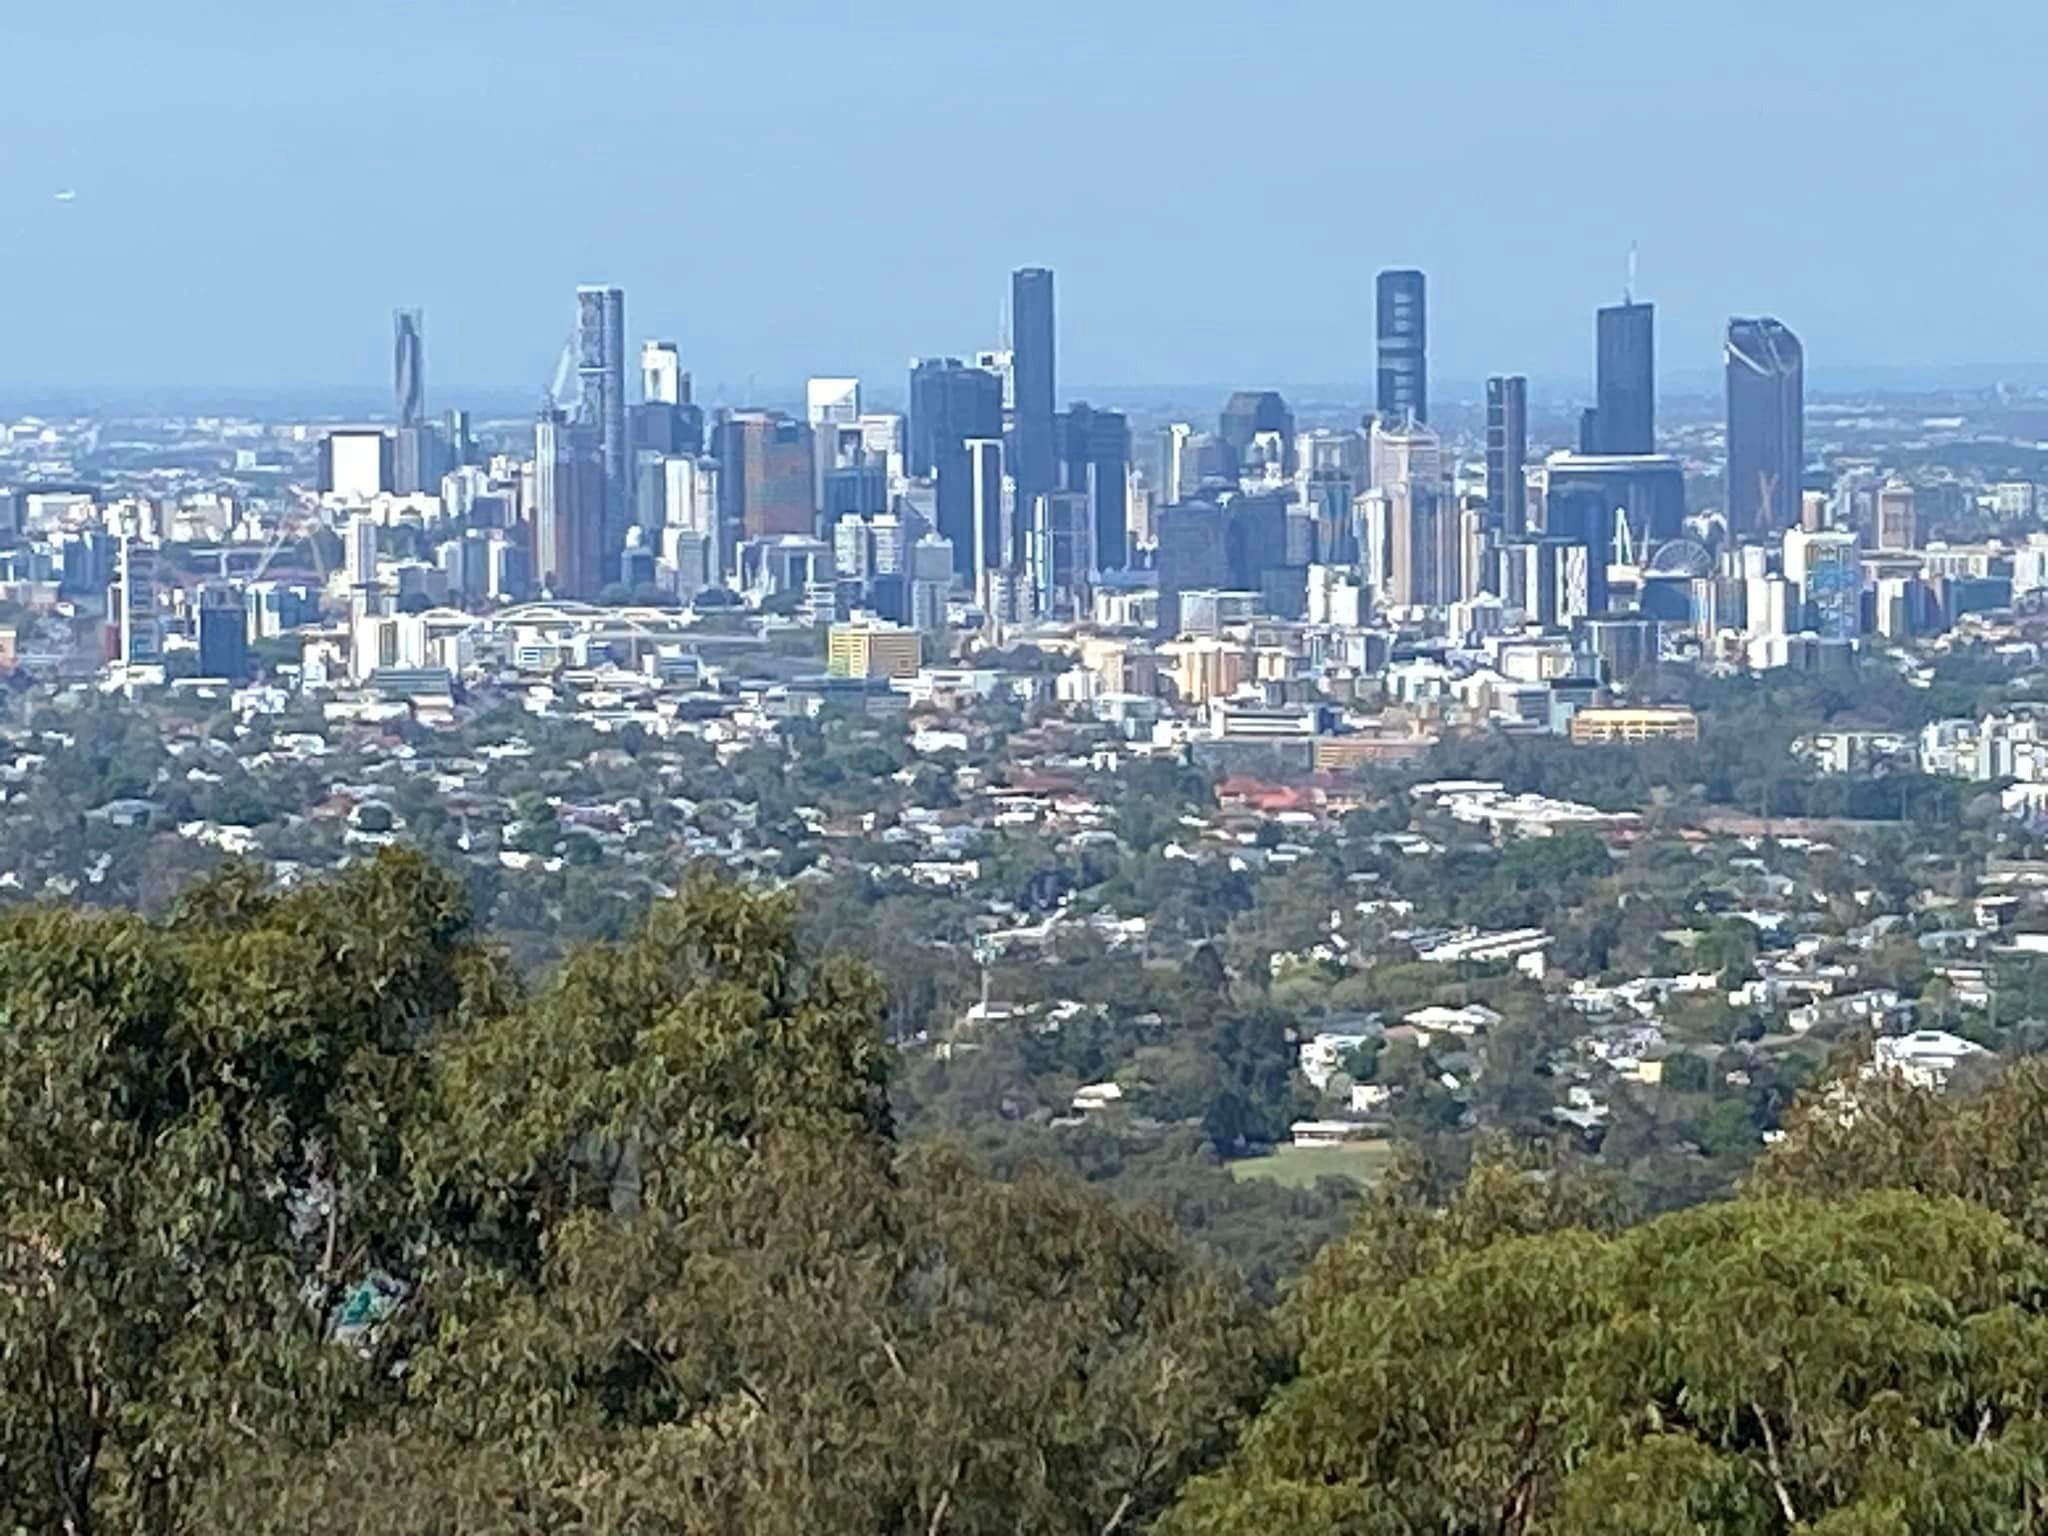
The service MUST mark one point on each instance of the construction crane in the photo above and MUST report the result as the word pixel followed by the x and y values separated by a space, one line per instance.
pixel 300 522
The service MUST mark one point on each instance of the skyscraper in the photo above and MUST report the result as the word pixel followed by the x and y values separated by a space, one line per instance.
pixel 990 521
pixel 409 366
pixel 1095 457
pixel 142 641
pixel 764 477
pixel 1625 380
pixel 223 632
pixel 1896 525
pixel 1823 570
pixel 950 404
pixel 1251 414
pixel 661 373
pixel 601 376
pixel 1507 452
pixel 1035 462
pixel 1766 425
pixel 569 504
pixel 1403 346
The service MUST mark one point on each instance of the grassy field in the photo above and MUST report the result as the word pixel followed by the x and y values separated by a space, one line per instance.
pixel 1361 1162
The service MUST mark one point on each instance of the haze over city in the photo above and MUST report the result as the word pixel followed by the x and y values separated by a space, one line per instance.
pixel 813 188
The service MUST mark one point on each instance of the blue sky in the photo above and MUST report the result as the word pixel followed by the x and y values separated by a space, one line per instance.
pixel 805 187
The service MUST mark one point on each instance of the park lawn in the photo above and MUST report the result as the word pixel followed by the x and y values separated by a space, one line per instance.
pixel 1362 1162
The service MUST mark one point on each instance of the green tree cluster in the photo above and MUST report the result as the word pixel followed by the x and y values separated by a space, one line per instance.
pixel 312 1219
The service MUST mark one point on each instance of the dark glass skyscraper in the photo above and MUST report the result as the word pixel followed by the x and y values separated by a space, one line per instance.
pixel 1625 380
pixel 1766 425
pixel 409 366
pixel 1507 453
pixel 1095 457
pixel 1403 347
pixel 601 378
pixel 949 404
pixel 1036 459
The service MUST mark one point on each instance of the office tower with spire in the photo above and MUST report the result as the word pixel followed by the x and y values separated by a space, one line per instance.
pixel 1035 461
pixel 1624 415
pixel 1507 452
pixel 1403 328
pixel 601 405
pixel 1766 372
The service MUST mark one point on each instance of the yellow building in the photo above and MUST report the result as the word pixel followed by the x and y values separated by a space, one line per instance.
pixel 873 650
pixel 1594 726
pixel 1205 668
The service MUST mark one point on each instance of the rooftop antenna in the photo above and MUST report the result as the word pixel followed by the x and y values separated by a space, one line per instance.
pixel 1628 289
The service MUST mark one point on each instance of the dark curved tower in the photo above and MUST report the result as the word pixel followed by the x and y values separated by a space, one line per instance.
pixel 1766 425
pixel 409 366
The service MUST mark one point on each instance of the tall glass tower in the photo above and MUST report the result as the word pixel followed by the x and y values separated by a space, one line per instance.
pixel 1507 453
pixel 1766 425
pixel 1403 347
pixel 1625 380
pixel 408 366
pixel 601 380
pixel 1032 364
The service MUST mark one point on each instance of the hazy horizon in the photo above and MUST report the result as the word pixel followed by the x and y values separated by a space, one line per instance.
pixel 814 190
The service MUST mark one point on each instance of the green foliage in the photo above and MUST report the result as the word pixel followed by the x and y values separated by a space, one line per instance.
pixel 648 1255
pixel 201 1151
pixel 1752 1366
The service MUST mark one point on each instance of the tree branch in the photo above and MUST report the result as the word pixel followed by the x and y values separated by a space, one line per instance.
pixel 941 1509
pixel 1777 1467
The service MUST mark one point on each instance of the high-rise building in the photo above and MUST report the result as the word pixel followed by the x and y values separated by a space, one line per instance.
pixel 569 506
pixel 601 407
pixel 1254 417
pixel 1061 562
pixel 1897 526
pixel 1766 371
pixel 359 550
pixel 1824 572
pixel 1507 452
pixel 455 435
pixel 951 404
pixel 661 373
pixel 417 461
pixel 1193 555
pixel 1173 472
pixel 409 366
pixel 141 630
pixel 1032 345
pixel 1624 416
pixel 1095 457
pixel 1403 346
pixel 764 477
pixel 355 464
pixel 1255 538
pixel 831 406
pixel 223 632
pixel 991 520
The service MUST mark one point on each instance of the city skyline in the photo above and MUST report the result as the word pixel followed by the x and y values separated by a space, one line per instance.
pixel 798 94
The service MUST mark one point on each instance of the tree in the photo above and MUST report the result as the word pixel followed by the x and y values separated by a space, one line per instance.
pixel 201 1156
pixel 1756 1366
